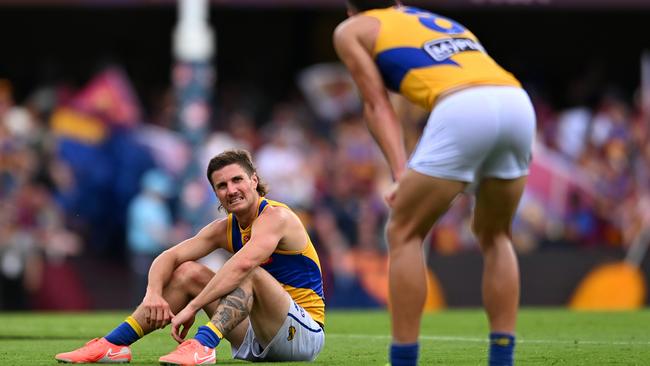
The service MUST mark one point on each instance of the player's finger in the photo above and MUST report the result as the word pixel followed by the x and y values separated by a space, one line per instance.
pixel 390 198
pixel 171 316
pixel 160 316
pixel 175 333
pixel 184 332
pixel 168 317
pixel 147 315
pixel 154 317
pixel 179 337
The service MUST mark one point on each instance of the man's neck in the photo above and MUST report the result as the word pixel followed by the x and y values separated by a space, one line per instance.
pixel 245 219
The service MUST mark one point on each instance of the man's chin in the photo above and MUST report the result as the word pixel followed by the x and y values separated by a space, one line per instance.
pixel 237 207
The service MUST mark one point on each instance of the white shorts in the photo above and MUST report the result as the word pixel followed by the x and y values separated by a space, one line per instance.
pixel 300 338
pixel 482 131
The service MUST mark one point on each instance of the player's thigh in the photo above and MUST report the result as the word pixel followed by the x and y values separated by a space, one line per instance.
pixel 496 204
pixel 270 305
pixel 420 200
pixel 237 335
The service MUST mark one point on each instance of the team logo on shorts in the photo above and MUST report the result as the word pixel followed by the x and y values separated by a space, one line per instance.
pixel 292 333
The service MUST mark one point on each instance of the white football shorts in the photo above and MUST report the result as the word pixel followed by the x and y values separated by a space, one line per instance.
pixel 481 131
pixel 300 338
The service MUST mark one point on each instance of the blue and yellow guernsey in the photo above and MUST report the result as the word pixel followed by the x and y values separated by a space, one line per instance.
pixel 298 271
pixel 422 54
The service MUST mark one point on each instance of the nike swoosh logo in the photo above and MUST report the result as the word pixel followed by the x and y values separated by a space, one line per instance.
pixel 122 352
pixel 199 360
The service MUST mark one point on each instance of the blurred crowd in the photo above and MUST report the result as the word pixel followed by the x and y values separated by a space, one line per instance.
pixel 603 148
pixel 85 174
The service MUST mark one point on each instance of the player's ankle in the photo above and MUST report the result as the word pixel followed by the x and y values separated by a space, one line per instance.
pixel 502 346
pixel 207 336
pixel 404 354
pixel 126 333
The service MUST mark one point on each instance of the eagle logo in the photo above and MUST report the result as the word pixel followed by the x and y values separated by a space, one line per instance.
pixel 292 333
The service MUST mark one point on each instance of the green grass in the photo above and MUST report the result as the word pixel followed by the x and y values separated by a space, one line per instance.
pixel 455 337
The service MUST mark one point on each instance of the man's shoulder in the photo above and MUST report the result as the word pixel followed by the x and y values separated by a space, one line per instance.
pixel 276 211
pixel 359 29
pixel 281 217
pixel 353 25
pixel 342 31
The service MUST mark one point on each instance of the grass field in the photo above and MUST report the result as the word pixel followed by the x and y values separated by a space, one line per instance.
pixel 457 337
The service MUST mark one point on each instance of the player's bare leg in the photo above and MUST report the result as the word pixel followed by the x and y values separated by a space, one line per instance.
pixel 496 203
pixel 419 201
pixel 259 301
pixel 260 298
pixel 186 282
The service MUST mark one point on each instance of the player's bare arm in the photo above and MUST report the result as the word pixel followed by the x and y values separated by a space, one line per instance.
pixel 353 45
pixel 267 232
pixel 157 310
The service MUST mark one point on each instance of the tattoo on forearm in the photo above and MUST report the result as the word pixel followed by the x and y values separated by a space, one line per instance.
pixel 232 309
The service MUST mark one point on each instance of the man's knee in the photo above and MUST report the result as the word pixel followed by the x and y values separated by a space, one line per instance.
pixel 488 237
pixel 191 273
pixel 399 234
pixel 264 287
pixel 257 277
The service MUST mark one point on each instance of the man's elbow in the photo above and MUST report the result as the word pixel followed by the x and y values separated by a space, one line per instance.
pixel 170 256
pixel 165 255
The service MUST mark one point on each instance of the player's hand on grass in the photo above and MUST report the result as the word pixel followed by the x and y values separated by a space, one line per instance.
pixel 185 319
pixel 157 312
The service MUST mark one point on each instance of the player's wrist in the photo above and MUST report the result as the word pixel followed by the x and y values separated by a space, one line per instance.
pixel 153 290
pixel 194 307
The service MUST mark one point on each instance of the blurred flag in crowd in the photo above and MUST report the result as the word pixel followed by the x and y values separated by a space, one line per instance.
pixel 108 99
pixel 110 96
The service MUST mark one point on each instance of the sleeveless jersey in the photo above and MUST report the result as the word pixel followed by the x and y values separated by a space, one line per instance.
pixel 298 271
pixel 422 54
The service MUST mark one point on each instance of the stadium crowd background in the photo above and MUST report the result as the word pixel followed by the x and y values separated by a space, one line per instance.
pixel 92 166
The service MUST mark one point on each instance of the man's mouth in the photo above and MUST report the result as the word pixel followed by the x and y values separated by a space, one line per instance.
pixel 235 200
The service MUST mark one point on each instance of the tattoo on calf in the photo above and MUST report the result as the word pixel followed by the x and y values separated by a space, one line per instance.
pixel 232 309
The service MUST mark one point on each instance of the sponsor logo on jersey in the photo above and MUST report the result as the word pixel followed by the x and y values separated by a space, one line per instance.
pixel 442 49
